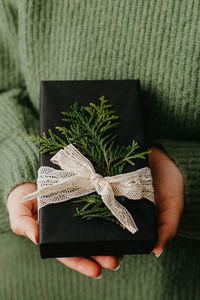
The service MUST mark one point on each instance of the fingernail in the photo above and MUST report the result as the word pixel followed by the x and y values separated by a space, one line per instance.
pixel 117 268
pixel 31 237
pixel 98 276
pixel 158 254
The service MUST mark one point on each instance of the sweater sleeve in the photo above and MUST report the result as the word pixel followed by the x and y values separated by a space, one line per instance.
pixel 186 155
pixel 19 119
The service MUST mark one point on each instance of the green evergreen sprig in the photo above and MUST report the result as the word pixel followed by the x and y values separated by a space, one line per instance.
pixel 90 131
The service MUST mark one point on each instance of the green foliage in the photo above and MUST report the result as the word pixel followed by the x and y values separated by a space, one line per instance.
pixel 98 210
pixel 90 131
pixel 51 144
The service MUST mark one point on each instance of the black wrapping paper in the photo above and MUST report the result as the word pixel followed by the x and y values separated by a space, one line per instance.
pixel 61 234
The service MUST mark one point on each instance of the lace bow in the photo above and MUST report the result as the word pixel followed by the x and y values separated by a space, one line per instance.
pixel 77 178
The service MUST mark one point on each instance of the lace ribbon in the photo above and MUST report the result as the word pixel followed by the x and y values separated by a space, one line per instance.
pixel 77 178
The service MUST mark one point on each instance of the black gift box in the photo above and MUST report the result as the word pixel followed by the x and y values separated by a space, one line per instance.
pixel 60 232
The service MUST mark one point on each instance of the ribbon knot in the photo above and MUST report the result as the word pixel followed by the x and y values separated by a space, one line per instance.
pixel 77 177
pixel 95 178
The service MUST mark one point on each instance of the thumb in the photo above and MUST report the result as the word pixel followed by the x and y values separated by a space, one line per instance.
pixel 29 228
pixel 26 226
pixel 168 222
pixel 23 216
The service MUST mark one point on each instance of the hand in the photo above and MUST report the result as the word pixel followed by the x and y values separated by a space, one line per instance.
pixel 23 220
pixel 168 186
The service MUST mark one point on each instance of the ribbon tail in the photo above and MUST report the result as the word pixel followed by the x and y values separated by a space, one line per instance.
pixel 47 190
pixel 118 210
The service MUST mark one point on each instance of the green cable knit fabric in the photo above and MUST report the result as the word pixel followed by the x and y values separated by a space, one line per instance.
pixel 155 41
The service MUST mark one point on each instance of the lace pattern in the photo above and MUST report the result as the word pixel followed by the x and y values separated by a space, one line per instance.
pixel 77 178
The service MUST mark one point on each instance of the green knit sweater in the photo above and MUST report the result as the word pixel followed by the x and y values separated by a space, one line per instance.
pixel 73 40
pixel 156 41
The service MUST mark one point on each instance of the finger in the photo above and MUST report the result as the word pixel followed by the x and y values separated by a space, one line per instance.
pixel 81 264
pixel 168 222
pixel 107 262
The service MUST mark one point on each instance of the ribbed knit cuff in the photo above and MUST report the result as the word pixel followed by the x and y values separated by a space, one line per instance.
pixel 186 155
pixel 19 160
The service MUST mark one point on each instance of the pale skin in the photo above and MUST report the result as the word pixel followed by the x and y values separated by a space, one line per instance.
pixel 168 185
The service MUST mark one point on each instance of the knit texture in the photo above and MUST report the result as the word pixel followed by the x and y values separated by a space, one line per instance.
pixel 25 276
pixel 155 41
